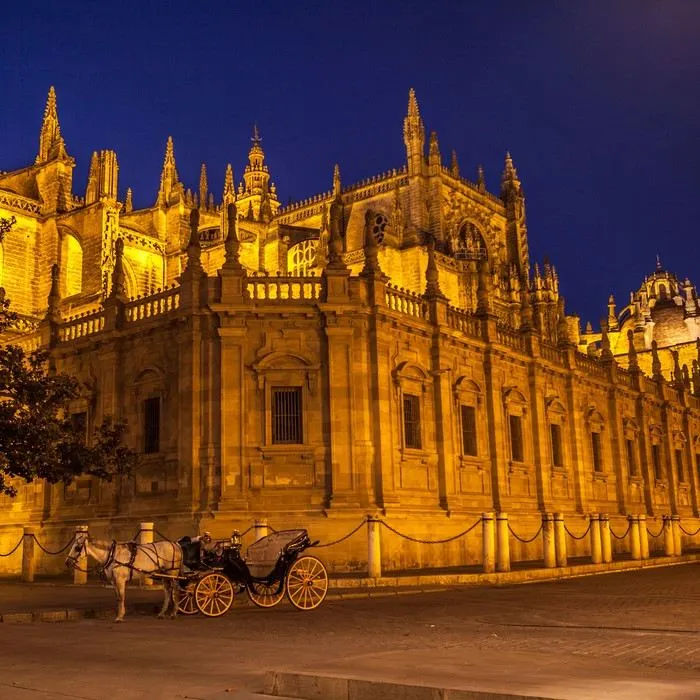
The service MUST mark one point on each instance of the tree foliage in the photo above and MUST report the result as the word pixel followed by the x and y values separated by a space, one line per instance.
pixel 38 438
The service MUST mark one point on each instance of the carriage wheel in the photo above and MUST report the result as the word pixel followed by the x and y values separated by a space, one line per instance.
pixel 266 595
pixel 213 595
pixel 307 583
pixel 186 603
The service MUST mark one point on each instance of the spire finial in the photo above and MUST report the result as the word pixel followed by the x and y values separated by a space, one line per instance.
pixel 432 276
pixel 480 179
pixel 256 138
pixel 229 190
pixel 118 277
pixel 232 245
pixel 128 201
pixel 659 267
pixel 51 144
pixel 168 176
pixel 606 352
pixel 413 110
pixel 203 185
pixel 336 180
pixel 454 165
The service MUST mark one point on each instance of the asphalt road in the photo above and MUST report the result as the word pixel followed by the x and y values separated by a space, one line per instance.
pixel 624 635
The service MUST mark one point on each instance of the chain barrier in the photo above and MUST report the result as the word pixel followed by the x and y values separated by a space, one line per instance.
pixel 58 551
pixel 658 534
pixel 525 540
pixel 690 534
pixel 14 549
pixel 579 537
pixel 343 538
pixel 623 535
pixel 415 539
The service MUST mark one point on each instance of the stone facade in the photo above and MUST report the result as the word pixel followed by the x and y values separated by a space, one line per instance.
pixel 380 347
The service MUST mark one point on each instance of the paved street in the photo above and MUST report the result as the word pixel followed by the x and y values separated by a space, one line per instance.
pixel 624 635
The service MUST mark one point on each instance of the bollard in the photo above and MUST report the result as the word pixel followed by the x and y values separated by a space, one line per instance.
pixel 605 538
pixel 548 546
pixel 560 539
pixel 374 549
pixel 643 537
pixel 145 537
pixel 503 544
pixel 676 529
pixel 260 529
pixel 596 545
pixel 80 577
pixel 669 544
pixel 28 562
pixel 489 542
pixel 635 543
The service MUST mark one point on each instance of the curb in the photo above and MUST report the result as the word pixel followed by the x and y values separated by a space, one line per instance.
pixel 308 686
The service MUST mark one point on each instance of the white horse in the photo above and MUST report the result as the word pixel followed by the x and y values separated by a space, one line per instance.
pixel 118 561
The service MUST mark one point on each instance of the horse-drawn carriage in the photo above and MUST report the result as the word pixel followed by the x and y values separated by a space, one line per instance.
pixel 273 566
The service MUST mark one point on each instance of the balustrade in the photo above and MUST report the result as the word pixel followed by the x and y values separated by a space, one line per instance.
pixel 155 305
pixel 284 288
pixel 405 302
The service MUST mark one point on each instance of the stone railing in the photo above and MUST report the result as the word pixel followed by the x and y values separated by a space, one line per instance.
pixel 405 302
pixel 626 378
pixel 82 325
pixel 463 321
pixel 155 305
pixel 591 365
pixel 551 353
pixel 295 289
pixel 510 337
pixel 29 342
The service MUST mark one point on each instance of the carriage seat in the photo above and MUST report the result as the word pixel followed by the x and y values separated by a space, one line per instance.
pixel 261 556
pixel 191 552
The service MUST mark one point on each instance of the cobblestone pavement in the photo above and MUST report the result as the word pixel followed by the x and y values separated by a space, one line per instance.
pixel 623 635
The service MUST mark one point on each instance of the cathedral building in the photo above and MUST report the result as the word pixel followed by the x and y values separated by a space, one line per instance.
pixel 386 346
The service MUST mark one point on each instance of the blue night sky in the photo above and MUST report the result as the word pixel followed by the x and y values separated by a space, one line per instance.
pixel 597 101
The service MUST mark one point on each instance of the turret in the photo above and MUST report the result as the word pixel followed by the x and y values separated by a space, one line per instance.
pixel 256 175
pixel 102 177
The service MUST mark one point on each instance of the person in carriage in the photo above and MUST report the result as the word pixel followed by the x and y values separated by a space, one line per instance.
pixel 194 550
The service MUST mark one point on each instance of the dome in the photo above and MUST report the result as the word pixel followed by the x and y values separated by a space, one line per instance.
pixel 669 325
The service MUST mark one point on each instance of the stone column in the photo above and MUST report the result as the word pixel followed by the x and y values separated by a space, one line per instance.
pixel 605 538
pixel 669 543
pixel 548 544
pixel 560 539
pixel 28 561
pixel 81 577
pixel 596 544
pixel 489 542
pixel 145 537
pixel 635 542
pixel 676 529
pixel 374 549
pixel 260 529
pixel 643 536
pixel 503 548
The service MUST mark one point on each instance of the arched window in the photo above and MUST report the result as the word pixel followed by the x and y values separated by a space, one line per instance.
pixel 301 258
pixel 71 265
pixel 470 244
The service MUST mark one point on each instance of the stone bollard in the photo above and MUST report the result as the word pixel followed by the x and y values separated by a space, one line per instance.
pixel 560 539
pixel 260 529
pixel 80 577
pixel 635 543
pixel 643 537
pixel 596 545
pixel 489 542
pixel 548 546
pixel 503 544
pixel 374 549
pixel 676 529
pixel 669 544
pixel 145 537
pixel 28 562
pixel 605 538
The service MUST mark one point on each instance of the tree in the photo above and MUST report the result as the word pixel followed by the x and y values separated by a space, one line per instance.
pixel 38 437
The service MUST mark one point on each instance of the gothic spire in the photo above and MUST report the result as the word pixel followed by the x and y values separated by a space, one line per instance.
pixel 203 185
pixel 128 202
pixel 413 135
pixel 336 180
pixel 454 165
pixel 480 179
pixel 51 144
pixel 229 191
pixel 168 177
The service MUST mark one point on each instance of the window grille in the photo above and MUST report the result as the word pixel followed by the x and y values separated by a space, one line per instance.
pixel 656 455
pixel 469 446
pixel 516 438
pixel 631 458
pixel 597 452
pixel 301 258
pixel 557 453
pixel 411 421
pixel 151 425
pixel 286 415
pixel 679 465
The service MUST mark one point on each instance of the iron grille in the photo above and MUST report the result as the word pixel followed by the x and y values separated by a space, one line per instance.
pixel 286 415
pixel 411 421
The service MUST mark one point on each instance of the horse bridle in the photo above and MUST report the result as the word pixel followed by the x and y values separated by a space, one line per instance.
pixel 72 561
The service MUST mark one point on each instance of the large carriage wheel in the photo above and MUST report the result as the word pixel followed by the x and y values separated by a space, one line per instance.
pixel 186 603
pixel 213 595
pixel 266 595
pixel 307 583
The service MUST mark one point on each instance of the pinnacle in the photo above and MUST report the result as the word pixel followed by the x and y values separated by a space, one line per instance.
pixel 256 138
pixel 169 151
pixel 413 110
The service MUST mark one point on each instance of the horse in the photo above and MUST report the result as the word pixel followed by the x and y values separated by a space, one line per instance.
pixel 117 562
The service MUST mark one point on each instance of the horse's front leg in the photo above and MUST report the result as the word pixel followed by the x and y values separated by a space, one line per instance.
pixel 119 582
pixel 175 595
pixel 166 598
